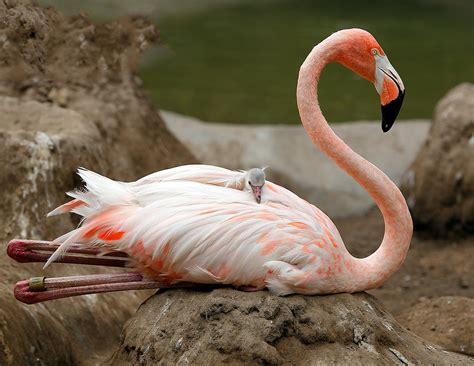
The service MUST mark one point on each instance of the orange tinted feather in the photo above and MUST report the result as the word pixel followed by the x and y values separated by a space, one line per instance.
pixel 90 232
pixel 299 224
pixel 110 234
pixel 73 204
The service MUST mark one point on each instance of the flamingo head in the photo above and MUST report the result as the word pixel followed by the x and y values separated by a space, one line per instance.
pixel 360 52
pixel 254 181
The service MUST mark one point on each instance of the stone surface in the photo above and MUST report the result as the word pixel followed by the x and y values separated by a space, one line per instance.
pixel 293 160
pixel 447 321
pixel 69 97
pixel 226 326
pixel 439 185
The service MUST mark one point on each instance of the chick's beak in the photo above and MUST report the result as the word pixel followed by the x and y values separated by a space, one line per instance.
pixel 257 192
pixel 391 89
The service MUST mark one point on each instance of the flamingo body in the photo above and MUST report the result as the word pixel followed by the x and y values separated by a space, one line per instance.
pixel 183 230
pixel 197 223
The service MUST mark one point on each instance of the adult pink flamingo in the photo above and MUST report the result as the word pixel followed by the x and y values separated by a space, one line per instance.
pixel 180 231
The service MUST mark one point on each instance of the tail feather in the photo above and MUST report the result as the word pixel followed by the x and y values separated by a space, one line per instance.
pixel 104 191
pixel 103 204
pixel 104 228
pixel 99 193
pixel 67 207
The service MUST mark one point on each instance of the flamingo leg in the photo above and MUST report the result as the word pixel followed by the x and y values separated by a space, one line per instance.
pixel 24 251
pixel 39 289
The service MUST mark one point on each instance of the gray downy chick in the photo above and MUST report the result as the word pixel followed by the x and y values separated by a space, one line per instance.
pixel 254 181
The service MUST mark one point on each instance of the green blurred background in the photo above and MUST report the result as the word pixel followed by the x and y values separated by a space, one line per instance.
pixel 237 60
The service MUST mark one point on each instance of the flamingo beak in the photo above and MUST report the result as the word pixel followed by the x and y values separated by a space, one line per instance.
pixel 391 89
pixel 257 192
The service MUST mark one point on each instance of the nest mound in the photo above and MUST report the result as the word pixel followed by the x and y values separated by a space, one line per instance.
pixel 225 326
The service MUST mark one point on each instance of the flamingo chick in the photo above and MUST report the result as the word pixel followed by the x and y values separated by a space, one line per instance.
pixel 254 181
pixel 203 230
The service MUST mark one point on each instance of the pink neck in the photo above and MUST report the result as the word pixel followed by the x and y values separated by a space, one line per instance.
pixel 372 271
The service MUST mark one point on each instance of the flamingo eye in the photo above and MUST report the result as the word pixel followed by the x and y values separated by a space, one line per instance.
pixel 374 51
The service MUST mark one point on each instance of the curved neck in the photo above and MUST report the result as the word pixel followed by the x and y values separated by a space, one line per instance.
pixel 372 271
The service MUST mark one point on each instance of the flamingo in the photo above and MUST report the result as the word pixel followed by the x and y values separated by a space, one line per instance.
pixel 179 231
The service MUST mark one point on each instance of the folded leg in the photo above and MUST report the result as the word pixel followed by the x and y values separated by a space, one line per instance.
pixel 24 251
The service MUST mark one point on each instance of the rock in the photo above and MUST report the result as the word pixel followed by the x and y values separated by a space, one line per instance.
pixel 293 160
pixel 68 99
pixel 447 321
pixel 439 185
pixel 225 326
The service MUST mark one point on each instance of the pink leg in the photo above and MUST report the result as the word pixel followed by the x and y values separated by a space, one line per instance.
pixel 40 289
pixel 24 251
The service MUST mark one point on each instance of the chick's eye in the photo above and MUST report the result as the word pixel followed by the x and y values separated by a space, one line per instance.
pixel 249 182
pixel 374 51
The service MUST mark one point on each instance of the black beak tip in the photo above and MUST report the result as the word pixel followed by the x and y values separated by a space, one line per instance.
pixel 390 112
